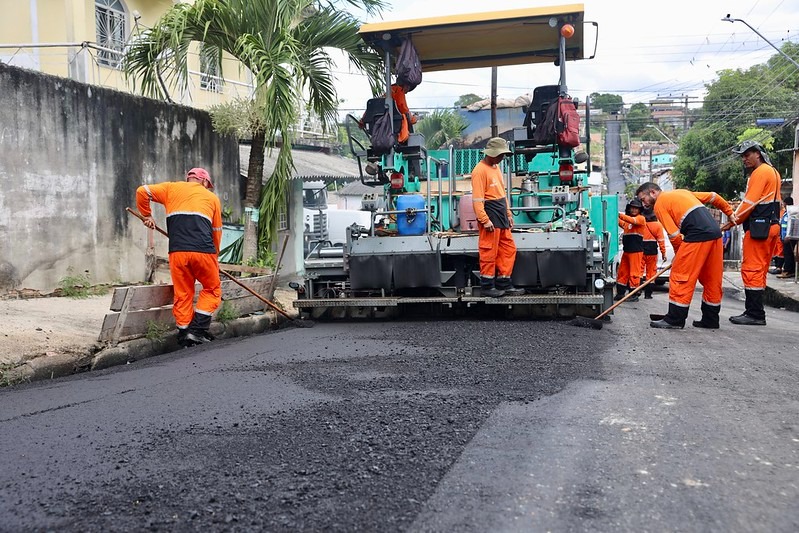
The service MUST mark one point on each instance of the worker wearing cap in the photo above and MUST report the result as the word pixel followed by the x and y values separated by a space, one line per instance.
pixel 497 249
pixel 194 224
pixel 761 199
pixel 698 251
pixel 633 223
pixel 654 242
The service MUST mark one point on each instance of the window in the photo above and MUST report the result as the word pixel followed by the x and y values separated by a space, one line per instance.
pixel 210 71
pixel 110 18
pixel 283 216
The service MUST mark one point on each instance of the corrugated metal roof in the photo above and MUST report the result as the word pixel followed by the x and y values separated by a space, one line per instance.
pixel 356 188
pixel 309 165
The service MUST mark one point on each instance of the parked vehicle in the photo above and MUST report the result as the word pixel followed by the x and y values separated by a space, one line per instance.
pixel 419 251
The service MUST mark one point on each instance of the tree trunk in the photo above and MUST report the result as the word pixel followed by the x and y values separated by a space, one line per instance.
pixel 252 197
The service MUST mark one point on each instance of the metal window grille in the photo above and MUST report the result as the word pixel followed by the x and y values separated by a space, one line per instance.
pixel 210 71
pixel 110 19
pixel 283 217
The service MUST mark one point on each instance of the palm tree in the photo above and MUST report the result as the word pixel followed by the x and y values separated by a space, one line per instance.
pixel 441 128
pixel 285 44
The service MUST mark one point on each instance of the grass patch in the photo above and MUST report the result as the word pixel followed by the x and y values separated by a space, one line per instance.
pixel 6 380
pixel 80 286
pixel 75 285
pixel 226 313
pixel 156 331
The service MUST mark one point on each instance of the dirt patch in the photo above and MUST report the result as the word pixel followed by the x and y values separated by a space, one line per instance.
pixel 37 327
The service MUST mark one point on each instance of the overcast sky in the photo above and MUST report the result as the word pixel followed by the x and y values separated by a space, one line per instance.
pixel 646 49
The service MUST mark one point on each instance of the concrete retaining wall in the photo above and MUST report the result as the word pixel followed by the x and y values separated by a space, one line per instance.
pixel 71 157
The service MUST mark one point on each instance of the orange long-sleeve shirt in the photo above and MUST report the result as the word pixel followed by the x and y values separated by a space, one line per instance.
pixel 762 187
pixel 193 214
pixel 633 238
pixel 488 193
pixel 653 238
pixel 683 212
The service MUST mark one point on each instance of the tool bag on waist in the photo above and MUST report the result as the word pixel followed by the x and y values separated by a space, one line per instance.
pixel 762 218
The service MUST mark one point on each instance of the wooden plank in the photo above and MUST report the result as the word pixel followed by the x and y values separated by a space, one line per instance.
pixel 123 314
pixel 135 323
pixel 230 290
pixel 142 304
pixel 144 296
pixel 150 296
pixel 245 268
pixel 247 305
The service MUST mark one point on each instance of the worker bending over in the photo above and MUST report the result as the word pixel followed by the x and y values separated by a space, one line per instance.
pixel 194 224
pixel 698 252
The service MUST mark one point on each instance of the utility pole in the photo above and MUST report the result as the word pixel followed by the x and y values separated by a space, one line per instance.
pixel 494 127
pixel 795 174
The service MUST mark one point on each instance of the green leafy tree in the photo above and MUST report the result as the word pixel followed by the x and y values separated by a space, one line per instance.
pixel 441 128
pixel 467 99
pixel 638 118
pixel 285 44
pixel 609 103
pixel 732 105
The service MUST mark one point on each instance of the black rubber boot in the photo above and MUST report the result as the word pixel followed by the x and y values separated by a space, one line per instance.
pixel 621 290
pixel 505 284
pixel 487 288
pixel 648 292
pixel 755 314
pixel 674 319
pixel 710 317
pixel 182 340
pixel 635 296
pixel 198 329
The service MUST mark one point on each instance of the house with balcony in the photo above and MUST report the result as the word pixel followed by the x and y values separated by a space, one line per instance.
pixel 85 40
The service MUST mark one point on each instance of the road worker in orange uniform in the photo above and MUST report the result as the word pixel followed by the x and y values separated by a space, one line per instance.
pixel 398 92
pixel 761 200
pixel 633 223
pixel 698 252
pixel 194 224
pixel 496 246
pixel 653 242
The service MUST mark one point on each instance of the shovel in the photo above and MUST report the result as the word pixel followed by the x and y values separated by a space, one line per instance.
pixel 596 323
pixel 296 322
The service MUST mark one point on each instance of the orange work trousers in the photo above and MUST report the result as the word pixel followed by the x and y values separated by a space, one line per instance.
pixel 697 261
pixel 757 258
pixel 630 269
pixel 650 268
pixel 497 252
pixel 186 268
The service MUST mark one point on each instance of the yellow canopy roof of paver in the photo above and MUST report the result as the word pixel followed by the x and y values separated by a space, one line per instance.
pixel 497 38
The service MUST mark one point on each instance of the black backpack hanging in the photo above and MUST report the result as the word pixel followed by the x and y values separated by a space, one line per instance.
pixel 408 67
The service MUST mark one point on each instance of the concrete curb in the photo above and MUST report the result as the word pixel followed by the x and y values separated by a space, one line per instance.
pixel 772 297
pixel 55 366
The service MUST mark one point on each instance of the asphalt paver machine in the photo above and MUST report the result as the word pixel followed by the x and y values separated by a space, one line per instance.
pixel 420 253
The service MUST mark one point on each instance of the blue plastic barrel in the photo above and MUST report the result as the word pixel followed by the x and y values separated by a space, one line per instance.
pixel 411 224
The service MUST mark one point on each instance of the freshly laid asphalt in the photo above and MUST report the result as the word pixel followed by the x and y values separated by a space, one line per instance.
pixel 780 293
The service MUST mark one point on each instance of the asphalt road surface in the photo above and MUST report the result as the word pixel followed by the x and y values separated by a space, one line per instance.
pixel 421 426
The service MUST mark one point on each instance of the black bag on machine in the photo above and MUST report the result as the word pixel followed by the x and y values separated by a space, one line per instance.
pixel 383 138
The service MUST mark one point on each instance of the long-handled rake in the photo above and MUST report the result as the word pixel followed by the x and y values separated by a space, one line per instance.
pixel 596 323
pixel 297 322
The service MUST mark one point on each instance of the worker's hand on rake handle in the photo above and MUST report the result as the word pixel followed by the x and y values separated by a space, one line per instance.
pixel 148 221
